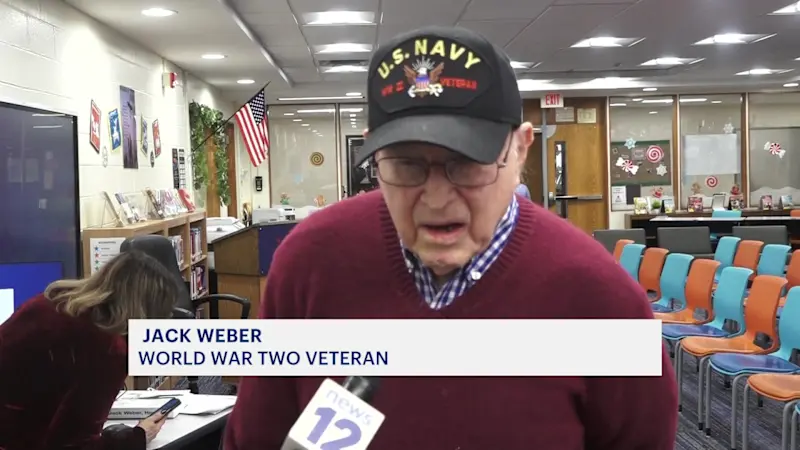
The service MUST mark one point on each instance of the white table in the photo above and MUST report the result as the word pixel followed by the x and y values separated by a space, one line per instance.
pixel 182 430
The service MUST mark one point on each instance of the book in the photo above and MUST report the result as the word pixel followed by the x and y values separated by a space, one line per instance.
pixel 786 202
pixel 695 204
pixel 736 202
pixel 669 205
pixel 137 405
pixel 765 202
pixel 640 205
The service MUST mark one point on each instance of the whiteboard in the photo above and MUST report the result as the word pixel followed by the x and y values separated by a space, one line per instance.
pixel 711 154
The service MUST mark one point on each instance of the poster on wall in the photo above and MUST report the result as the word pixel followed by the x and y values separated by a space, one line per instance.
pixel 130 150
pixel 114 131
pixel 178 168
pixel 145 145
pixel 94 129
pixel 156 138
pixel 361 178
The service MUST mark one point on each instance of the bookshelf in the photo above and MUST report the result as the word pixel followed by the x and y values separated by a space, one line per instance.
pixel 188 234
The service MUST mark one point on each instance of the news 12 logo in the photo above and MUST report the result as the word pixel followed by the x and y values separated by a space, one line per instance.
pixel 6 304
pixel 335 419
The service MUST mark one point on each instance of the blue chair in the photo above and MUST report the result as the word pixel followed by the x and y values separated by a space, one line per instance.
pixel 773 260
pixel 723 214
pixel 726 251
pixel 673 283
pixel 631 259
pixel 728 305
pixel 741 366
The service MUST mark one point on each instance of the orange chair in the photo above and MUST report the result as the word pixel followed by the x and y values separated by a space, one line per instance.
pixel 699 286
pixel 779 387
pixel 760 319
pixel 793 271
pixel 795 213
pixel 747 255
pixel 619 246
pixel 650 270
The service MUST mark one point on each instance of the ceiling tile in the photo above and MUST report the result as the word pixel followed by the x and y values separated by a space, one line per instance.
pixel 292 56
pixel 436 12
pixel 559 27
pixel 261 6
pixel 287 34
pixel 505 9
pixel 269 18
pixel 307 6
pixel 499 32
pixel 305 75
pixel 320 35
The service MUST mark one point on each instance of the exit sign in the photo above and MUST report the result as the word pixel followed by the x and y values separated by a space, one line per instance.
pixel 552 101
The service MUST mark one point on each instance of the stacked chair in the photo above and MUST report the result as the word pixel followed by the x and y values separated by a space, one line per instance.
pixel 737 314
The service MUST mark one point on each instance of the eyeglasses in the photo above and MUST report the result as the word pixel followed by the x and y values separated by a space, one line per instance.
pixel 414 172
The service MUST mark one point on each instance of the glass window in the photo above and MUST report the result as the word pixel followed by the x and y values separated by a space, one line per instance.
pixel 303 163
pixel 352 123
pixel 774 147
pixel 710 146
pixel 641 149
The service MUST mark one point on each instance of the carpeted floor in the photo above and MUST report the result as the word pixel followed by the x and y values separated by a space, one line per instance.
pixel 765 421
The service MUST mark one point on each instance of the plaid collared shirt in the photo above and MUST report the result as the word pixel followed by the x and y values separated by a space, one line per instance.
pixel 470 274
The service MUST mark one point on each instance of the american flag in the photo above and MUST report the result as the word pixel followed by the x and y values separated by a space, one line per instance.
pixel 254 126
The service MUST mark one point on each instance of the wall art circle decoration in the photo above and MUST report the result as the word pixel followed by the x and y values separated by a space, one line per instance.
pixel 316 159
pixel 712 182
pixel 655 154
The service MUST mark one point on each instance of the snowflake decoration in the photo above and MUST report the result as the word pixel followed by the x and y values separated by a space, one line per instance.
pixel 661 170
pixel 630 143
pixel 728 128
pixel 774 149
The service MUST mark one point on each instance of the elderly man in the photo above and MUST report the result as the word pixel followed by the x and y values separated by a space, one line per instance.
pixel 446 237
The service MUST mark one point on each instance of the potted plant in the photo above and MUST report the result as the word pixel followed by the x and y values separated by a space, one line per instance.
pixel 655 206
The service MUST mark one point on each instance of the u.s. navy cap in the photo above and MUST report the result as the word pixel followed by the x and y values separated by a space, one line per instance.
pixel 445 86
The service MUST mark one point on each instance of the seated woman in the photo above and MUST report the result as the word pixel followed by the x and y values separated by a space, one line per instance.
pixel 64 357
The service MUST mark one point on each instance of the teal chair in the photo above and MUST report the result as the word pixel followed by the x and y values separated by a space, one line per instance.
pixel 673 283
pixel 773 260
pixel 723 214
pixel 726 251
pixel 631 259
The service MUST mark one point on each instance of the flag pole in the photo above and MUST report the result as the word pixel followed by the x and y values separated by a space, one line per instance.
pixel 222 124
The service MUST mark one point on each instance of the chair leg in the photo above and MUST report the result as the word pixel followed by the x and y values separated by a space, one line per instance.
pixel 700 389
pixel 745 419
pixel 786 423
pixel 793 439
pixel 734 405
pixel 706 416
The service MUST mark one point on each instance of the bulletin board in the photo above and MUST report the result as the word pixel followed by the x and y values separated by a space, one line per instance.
pixel 639 169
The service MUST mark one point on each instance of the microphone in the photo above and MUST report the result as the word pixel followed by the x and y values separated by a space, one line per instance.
pixel 338 416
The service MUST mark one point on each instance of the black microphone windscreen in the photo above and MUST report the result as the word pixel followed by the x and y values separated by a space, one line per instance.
pixel 362 387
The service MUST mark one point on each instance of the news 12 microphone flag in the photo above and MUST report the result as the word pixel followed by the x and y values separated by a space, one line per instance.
pixel 448 347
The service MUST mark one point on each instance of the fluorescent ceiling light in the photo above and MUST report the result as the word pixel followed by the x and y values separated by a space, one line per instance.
pixel 788 10
pixel 339 18
pixel 288 114
pixel 636 100
pixel 315 111
pixel 733 38
pixel 618 104
pixel 653 112
pixel 297 120
pixel 521 65
pixel 605 42
pixel 611 82
pixel 304 125
pixel 352 115
pixel 356 110
pixel 670 61
pixel 300 99
pixel 665 101
pixel 313 131
pixel 246 81
pixel 716 102
pixel 342 48
pixel 790 85
pixel 346 68
pixel 650 89
pixel 693 100
pixel 158 12
pixel 763 71
pixel 533 85
pixel 213 56
pixel 353 94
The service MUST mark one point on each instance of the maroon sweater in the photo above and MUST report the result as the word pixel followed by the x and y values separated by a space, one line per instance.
pixel 59 376
pixel 345 262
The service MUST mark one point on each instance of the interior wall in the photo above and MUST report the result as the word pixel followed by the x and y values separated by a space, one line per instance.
pixel 700 119
pixel 59 59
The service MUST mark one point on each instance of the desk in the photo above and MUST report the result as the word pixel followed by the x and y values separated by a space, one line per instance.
pixel 183 431
pixel 720 226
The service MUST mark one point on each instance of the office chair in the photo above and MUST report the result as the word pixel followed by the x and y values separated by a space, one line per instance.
pixel 160 248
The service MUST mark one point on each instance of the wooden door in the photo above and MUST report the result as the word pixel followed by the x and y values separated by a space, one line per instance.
pixel 532 174
pixel 585 153
pixel 582 149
